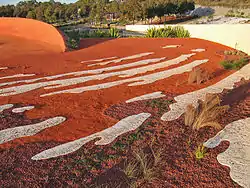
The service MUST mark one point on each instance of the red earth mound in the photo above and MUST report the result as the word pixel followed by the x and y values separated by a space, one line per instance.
pixel 85 111
pixel 33 30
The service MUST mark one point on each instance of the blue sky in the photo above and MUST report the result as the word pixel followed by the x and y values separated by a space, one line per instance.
pixel 5 2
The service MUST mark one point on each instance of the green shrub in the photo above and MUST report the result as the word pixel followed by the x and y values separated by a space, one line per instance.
pixel 72 43
pixel 114 33
pixel 73 39
pixel 180 32
pixel 235 64
pixel 75 36
pixel 200 152
pixel 111 33
pixel 98 34
pixel 167 32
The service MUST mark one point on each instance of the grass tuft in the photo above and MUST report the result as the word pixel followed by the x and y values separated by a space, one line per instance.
pixel 206 114
pixel 130 169
pixel 200 152
pixel 145 167
pixel 168 32
pixel 235 64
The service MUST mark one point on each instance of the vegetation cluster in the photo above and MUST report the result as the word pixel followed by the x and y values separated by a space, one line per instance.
pixel 96 11
pixel 169 32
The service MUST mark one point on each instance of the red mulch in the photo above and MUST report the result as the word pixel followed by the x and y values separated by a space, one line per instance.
pixel 101 165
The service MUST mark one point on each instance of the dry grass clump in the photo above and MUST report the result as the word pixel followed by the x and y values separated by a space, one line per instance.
pixel 198 76
pixel 131 169
pixel 143 165
pixel 234 52
pixel 206 114
pixel 157 155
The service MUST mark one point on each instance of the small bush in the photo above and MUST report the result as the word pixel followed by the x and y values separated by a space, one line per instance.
pixel 234 52
pixel 206 114
pixel 200 152
pixel 144 161
pixel 72 43
pixel 111 33
pixel 114 33
pixel 234 64
pixel 131 169
pixel 168 32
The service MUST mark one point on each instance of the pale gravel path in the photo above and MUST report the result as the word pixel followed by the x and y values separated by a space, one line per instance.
pixel 17 76
pixel 99 60
pixel 9 134
pixel 73 81
pixel 171 46
pixel 182 101
pixel 123 59
pixel 107 136
pixel 22 109
pixel 93 71
pixel 198 50
pixel 237 155
pixel 140 80
pixel 5 107
pixel 154 95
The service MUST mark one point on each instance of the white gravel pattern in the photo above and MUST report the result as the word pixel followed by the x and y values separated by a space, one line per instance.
pixel 17 76
pixel 182 101
pixel 107 136
pixel 237 155
pixel 154 95
pixel 171 46
pixel 140 80
pixel 9 134
pixel 72 81
pixel 94 71
pixel 22 109
pixel 5 107
pixel 99 60
pixel 198 50
pixel 123 59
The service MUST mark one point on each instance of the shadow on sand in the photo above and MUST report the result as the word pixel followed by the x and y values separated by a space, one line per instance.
pixel 88 42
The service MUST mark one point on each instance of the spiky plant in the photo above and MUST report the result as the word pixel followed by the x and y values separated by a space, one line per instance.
pixel 200 152
pixel 130 169
pixel 206 114
pixel 114 33
pixel 144 161
pixel 167 32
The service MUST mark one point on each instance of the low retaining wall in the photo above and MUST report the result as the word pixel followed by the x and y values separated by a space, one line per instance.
pixel 33 30
pixel 232 35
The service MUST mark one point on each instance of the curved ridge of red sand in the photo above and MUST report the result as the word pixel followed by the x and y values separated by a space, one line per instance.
pixel 33 30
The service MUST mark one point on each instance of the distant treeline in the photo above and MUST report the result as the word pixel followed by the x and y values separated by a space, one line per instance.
pixel 97 11
pixel 226 3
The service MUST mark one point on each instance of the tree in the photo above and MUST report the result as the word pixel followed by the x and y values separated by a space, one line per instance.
pixel 31 14
pixel 7 11
pixel 48 14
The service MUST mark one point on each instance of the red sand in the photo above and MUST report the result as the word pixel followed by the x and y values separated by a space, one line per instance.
pixel 85 111
pixel 33 30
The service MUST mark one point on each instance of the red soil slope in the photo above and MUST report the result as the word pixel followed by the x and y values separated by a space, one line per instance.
pixel 33 30
pixel 85 111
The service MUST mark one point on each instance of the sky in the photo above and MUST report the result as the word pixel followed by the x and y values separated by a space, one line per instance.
pixel 5 2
